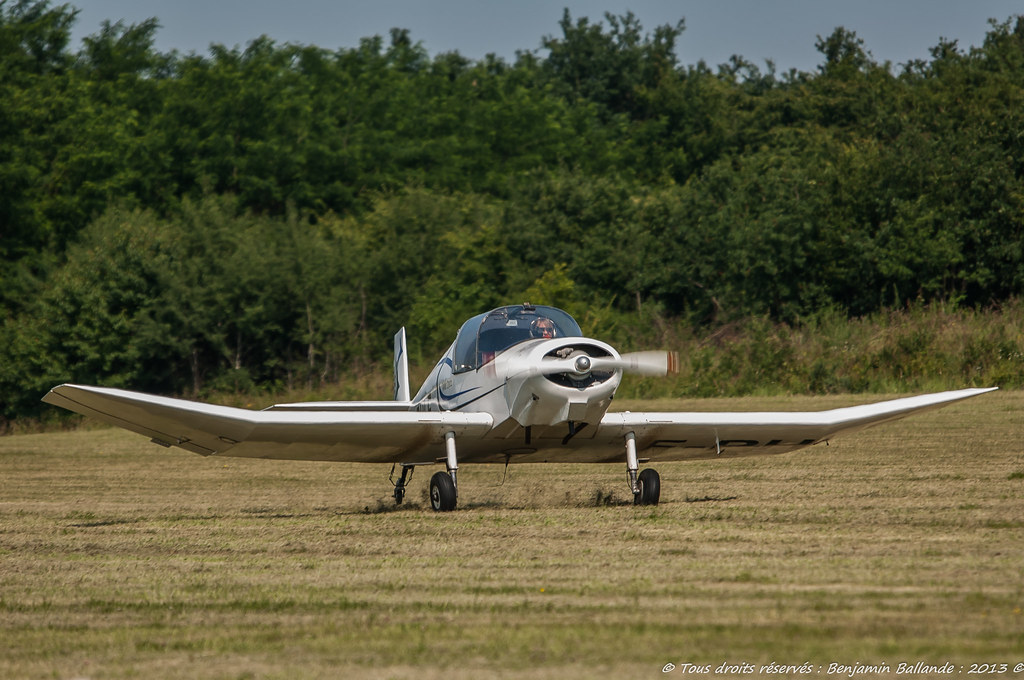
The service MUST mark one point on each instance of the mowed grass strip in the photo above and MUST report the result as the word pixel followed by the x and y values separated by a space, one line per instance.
pixel 121 559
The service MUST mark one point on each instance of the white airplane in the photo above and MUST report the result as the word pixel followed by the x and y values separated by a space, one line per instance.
pixel 520 384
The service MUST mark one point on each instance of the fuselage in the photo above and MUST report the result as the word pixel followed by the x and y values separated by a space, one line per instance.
pixel 497 365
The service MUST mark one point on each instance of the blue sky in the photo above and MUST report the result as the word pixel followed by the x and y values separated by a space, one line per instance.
pixel 782 30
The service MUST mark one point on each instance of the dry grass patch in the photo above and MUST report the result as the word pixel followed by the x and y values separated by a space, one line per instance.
pixel 120 559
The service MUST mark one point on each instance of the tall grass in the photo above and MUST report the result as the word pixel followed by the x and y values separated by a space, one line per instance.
pixel 918 348
pixel 922 347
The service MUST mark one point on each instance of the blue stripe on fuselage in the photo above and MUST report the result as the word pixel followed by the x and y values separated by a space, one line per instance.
pixel 451 397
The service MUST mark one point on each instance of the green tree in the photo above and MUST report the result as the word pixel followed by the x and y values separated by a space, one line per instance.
pixel 609 68
pixel 34 67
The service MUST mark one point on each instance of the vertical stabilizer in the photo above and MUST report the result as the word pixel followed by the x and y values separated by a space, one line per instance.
pixel 401 368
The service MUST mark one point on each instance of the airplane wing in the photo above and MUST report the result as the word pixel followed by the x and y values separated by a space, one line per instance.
pixel 206 429
pixel 686 436
pixel 370 432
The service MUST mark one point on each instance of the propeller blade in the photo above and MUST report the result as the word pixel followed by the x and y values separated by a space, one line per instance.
pixel 654 362
pixel 642 363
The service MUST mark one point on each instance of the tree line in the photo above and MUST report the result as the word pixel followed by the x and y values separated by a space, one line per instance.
pixel 270 215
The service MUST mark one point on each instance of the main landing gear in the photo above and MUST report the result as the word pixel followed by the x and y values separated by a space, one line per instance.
pixel 444 491
pixel 443 495
pixel 444 486
pixel 646 486
pixel 649 491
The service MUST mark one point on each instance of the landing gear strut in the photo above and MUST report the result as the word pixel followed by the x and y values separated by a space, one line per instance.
pixel 646 486
pixel 400 485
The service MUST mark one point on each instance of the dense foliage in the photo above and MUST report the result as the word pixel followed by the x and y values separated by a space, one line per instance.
pixel 271 215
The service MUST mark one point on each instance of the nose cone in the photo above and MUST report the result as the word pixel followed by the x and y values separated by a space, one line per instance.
pixel 555 382
pixel 583 364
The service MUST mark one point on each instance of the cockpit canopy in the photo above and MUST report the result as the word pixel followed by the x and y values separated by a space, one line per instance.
pixel 486 334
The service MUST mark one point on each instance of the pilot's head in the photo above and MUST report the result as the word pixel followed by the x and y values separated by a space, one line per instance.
pixel 543 328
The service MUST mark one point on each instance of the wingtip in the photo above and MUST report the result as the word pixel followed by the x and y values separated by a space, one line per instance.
pixel 52 396
pixel 973 391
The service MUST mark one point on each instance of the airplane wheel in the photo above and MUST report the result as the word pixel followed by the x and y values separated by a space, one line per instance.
pixel 442 492
pixel 650 488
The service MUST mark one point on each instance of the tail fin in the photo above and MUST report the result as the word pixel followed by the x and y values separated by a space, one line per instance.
pixel 401 368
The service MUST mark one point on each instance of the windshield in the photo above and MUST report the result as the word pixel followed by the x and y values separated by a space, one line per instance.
pixel 485 335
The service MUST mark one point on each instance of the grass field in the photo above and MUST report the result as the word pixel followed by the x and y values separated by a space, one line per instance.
pixel 901 544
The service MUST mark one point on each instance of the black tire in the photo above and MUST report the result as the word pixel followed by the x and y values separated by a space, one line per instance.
pixel 650 488
pixel 442 492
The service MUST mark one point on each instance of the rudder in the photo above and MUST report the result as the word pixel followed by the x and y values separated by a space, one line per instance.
pixel 401 366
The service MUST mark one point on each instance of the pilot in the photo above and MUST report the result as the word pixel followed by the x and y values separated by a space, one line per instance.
pixel 542 328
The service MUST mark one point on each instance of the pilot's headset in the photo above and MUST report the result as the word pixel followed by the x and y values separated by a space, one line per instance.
pixel 542 328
